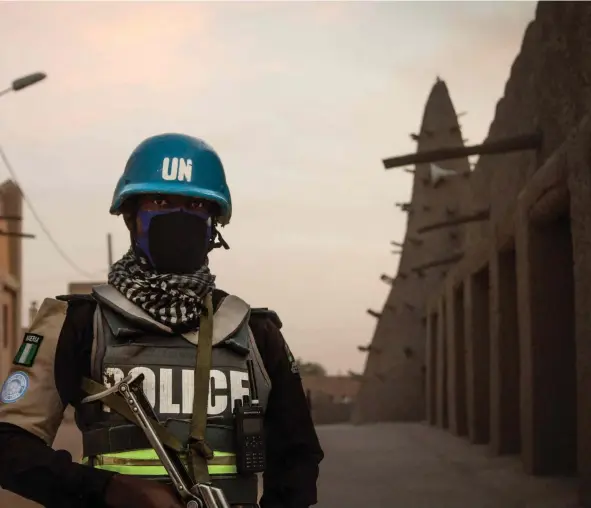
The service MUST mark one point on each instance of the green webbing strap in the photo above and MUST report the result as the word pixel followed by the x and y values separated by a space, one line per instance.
pixel 199 450
pixel 117 403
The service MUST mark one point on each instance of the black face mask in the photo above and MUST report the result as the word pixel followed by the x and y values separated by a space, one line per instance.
pixel 175 241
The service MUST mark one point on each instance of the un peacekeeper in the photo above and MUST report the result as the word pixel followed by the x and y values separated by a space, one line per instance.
pixel 173 196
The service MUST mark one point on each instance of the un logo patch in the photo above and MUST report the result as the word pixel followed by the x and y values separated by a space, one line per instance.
pixel 14 387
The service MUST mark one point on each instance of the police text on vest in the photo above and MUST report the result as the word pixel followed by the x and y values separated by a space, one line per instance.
pixel 225 388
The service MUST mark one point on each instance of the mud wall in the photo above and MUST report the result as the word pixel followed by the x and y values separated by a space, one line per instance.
pixel 525 276
pixel 393 386
pixel 549 89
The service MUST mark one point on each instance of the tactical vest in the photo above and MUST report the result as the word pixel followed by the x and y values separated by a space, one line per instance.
pixel 127 339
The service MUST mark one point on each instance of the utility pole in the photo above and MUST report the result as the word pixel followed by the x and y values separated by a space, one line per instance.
pixel 109 251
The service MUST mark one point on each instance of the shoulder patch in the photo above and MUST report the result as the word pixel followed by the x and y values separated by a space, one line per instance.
pixel 15 386
pixel 265 312
pixel 28 350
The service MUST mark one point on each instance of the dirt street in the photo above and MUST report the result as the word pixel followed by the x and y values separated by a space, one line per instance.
pixel 406 466
pixel 415 466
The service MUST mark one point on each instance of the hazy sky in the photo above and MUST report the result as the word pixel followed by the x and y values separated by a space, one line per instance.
pixel 301 100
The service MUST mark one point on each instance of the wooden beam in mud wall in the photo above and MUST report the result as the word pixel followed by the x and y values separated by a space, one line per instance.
pixel 405 207
pixel 387 279
pixel 373 313
pixel 513 144
pixel 415 241
pixel 369 347
pixel 464 219
pixel 439 262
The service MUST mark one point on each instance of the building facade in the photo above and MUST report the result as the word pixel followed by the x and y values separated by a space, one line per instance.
pixel 82 288
pixel 10 273
pixel 331 398
pixel 508 329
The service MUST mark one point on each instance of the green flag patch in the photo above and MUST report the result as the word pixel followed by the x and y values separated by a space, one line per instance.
pixel 27 353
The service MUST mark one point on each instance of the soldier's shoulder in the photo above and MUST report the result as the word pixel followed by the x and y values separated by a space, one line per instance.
pixel 79 306
pixel 266 313
pixel 256 313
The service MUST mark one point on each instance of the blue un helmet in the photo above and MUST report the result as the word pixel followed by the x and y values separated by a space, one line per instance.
pixel 175 164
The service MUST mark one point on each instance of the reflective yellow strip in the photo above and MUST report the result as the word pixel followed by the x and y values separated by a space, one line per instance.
pixel 149 454
pixel 146 463
pixel 160 471
pixel 113 460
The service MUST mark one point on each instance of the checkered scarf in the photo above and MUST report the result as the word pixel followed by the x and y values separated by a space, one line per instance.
pixel 173 300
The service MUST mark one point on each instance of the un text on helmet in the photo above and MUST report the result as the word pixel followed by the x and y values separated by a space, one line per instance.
pixel 175 168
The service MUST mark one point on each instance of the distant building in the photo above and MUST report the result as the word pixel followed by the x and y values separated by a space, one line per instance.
pixel 334 388
pixel 82 288
pixel 331 397
pixel 33 309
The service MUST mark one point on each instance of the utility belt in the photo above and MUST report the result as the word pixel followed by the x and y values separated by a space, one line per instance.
pixel 147 463
pixel 238 489
pixel 127 437
pixel 126 450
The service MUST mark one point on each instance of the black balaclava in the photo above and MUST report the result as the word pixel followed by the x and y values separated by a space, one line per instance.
pixel 174 241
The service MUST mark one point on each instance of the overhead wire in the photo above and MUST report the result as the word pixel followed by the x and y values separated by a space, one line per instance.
pixel 39 221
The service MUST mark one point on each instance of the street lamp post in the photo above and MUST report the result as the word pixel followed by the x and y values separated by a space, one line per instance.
pixel 15 86
pixel 24 82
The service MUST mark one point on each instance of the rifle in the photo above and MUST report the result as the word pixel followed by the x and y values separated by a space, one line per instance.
pixel 193 494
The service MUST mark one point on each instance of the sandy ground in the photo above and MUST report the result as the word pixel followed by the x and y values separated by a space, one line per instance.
pixel 406 466
pixel 416 466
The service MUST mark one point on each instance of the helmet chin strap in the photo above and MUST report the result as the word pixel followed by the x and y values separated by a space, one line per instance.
pixel 217 240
